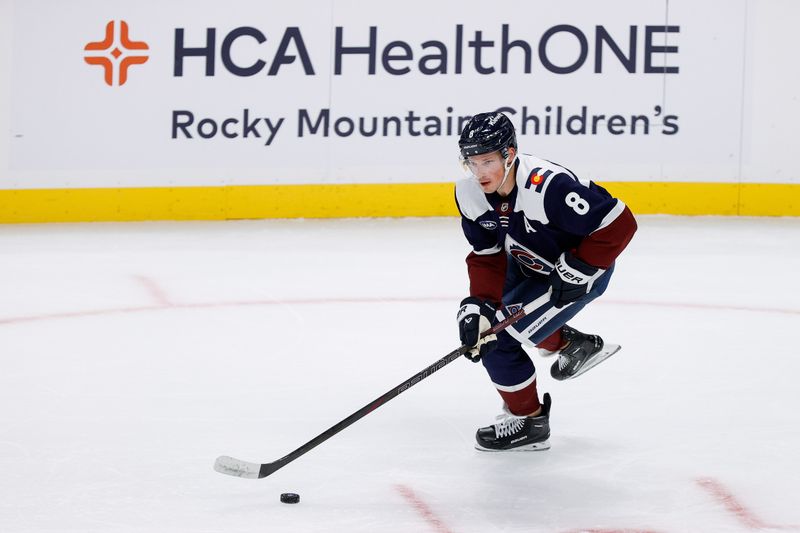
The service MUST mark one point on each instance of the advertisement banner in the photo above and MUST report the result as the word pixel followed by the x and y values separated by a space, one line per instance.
pixel 120 94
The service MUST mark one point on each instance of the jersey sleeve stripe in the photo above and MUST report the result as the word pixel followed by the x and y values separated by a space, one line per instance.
pixel 515 388
pixel 612 215
pixel 488 251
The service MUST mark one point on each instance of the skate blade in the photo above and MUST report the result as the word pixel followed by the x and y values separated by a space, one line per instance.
pixel 607 351
pixel 535 447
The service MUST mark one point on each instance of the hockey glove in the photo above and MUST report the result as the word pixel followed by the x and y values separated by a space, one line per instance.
pixel 571 279
pixel 474 317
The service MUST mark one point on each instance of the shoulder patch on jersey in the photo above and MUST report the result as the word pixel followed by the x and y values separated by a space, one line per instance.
pixel 533 177
pixel 536 179
pixel 488 224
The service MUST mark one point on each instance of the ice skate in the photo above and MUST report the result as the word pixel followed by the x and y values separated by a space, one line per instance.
pixel 517 433
pixel 582 353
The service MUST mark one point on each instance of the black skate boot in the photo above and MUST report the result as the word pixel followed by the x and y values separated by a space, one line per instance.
pixel 517 433
pixel 580 354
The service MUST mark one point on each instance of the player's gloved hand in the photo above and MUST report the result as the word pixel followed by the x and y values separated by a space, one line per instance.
pixel 571 279
pixel 474 317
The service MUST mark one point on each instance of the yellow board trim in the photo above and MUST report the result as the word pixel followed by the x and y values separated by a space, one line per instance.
pixel 365 200
pixel 677 198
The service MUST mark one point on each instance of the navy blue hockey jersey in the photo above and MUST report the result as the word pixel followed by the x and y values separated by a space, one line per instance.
pixel 549 211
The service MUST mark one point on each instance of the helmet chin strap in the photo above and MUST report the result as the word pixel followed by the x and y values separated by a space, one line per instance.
pixel 507 166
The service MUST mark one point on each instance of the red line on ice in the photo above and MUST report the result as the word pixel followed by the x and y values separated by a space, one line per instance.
pixel 211 305
pixel 595 530
pixel 165 304
pixel 158 294
pixel 80 314
pixel 735 507
pixel 422 508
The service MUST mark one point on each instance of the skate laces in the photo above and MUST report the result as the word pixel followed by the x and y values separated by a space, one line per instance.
pixel 508 424
pixel 566 354
pixel 577 348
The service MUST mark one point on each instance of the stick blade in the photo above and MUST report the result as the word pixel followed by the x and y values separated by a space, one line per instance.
pixel 236 467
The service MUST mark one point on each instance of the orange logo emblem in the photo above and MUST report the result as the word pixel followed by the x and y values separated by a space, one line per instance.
pixel 116 52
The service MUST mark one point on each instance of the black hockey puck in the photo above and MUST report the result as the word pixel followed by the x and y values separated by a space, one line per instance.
pixel 290 497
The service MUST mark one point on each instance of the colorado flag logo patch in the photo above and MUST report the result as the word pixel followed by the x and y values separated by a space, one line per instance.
pixel 537 180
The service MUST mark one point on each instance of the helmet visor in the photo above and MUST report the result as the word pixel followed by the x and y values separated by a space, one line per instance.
pixel 477 165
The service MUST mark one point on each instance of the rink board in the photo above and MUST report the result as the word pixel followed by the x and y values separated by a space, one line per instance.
pixel 162 113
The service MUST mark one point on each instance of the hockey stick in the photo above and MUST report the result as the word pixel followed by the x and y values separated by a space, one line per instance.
pixel 236 467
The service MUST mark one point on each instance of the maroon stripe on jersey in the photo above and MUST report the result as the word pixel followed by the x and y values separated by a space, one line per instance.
pixel 602 247
pixel 487 274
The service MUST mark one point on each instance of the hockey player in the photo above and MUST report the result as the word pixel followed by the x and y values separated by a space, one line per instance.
pixel 534 227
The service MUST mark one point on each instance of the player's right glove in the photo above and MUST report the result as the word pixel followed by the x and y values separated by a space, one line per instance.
pixel 571 279
pixel 474 317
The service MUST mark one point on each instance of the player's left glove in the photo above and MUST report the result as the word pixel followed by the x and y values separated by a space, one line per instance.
pixel 571 279
pixel 474 317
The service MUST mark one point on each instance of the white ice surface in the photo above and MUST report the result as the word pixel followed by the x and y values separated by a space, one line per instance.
pixel 132 355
